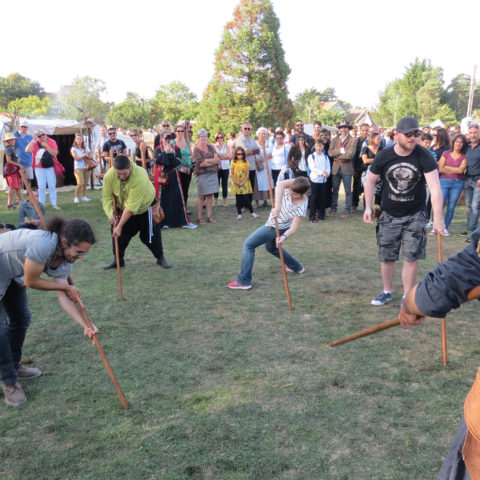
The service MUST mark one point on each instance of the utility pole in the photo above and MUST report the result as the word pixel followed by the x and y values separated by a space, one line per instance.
pixel 472 90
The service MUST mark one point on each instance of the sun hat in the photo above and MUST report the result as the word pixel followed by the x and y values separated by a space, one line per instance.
pixel 407 125
pixel 344 125
pixel 9 136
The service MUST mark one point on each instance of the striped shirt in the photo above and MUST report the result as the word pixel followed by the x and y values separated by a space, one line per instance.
pixel 288 212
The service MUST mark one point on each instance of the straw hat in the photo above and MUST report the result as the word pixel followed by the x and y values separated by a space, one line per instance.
pixel 9 136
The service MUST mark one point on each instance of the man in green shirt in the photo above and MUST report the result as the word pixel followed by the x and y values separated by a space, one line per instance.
pixel 135 199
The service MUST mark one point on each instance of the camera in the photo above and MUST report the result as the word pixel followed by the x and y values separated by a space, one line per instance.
pixel 170 136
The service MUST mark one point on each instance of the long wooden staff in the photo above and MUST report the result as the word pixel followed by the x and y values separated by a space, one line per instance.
pixel 444 321
pixel 277 231
pixel 117 252
pixel 96 341
pixel 32 196
pixel 367 331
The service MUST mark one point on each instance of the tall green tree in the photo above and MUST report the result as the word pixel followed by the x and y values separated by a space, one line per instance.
pixel 429 95
pixel 81 100
pixel 174 102
pixel 133 112
pixel 251 73
pixel 30 107
pixel 457 94
pixel 17 86
pixel 308 105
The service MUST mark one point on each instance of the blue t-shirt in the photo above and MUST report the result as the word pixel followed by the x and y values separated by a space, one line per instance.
pixel 22 141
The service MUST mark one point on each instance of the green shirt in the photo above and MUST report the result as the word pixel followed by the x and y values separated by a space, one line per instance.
pixel 135 194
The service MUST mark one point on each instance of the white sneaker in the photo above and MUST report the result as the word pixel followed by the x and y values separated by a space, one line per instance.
pixel 433 232
pixel 254 215
pixel 56 207
pixel 85 199
pixel 429 224
pixel 76 200
pixel 239 216
pixel 190 225
pixel 446 233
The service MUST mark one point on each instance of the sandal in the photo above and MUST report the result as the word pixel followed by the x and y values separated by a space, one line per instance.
pixel 211 220
pixel 201 221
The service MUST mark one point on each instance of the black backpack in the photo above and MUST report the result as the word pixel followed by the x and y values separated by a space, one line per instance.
pixel 46 159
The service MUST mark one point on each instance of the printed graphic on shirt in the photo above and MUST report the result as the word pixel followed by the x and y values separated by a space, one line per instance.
pixel 402 179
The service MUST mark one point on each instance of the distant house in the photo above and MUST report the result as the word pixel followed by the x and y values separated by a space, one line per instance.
pixel 359 116
pixel 331 106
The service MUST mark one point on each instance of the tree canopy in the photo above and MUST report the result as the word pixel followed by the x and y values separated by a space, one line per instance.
pixel 133 112
pixel 251 73
pixel 17 86
pixel 30 107
pixel 81 100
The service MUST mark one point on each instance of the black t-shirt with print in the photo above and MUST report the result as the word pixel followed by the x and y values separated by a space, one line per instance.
pixel 118 146
pixel 403 191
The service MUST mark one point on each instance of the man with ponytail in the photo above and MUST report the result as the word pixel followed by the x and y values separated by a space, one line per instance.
pixel 24 256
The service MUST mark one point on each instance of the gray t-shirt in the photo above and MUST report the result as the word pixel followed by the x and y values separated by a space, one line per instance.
pixel 37 245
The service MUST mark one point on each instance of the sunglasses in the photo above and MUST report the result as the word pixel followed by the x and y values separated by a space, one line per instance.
pixel 240 153
pixel 133 135
pixel 246 128
pixel 412 134
pixel 299 125
pixel 42 135
pixel 112 133
pixel 165 126
pixel 220 136
pixel 180 131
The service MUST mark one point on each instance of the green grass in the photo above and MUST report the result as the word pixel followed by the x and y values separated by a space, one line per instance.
pixel 229 384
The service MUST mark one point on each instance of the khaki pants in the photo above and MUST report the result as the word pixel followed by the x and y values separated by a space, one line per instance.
pixel 81 176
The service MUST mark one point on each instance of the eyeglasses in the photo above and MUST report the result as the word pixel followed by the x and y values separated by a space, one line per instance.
pixel 412 134
pixel 299 125
pixel 133 135
pixel 247 128
pixel 41 135
pixel 220 136
pixel 180 131
pixel 112 133
pixel 240 153
pixel 165 126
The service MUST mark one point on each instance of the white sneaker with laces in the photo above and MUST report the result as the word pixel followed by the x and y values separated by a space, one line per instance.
pixel 76 200
pixel 85 199
pixel 254 215
pixel 239 216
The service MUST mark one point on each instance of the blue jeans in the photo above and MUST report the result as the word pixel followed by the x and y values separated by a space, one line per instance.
pixel 263 235
pixel 12 333
pixel 472 200
pixel 347 185
pixel 451 191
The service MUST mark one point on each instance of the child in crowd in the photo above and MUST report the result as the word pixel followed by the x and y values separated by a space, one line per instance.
pixel 319 166
pixel 241 186
pixel 12 167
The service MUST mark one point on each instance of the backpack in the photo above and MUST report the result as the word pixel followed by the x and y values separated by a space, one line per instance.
pixel 43 158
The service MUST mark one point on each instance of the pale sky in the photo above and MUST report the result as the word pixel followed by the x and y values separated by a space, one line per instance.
pixel 354 46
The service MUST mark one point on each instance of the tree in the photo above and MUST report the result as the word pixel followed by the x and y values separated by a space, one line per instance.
pixel 457 94
pixel 134 112
pixel 31 106
pixel 446 115
pixel 17 86
pixel 249 82
pixel 174 102
pixel 418 93
pixel 81 100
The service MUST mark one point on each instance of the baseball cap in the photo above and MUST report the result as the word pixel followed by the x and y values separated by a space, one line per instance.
pixel 407 125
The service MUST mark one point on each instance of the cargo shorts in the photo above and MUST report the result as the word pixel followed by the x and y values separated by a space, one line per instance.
pixel 408 232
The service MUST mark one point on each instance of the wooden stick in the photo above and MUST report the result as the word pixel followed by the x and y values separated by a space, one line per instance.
pixel 96 341
pixel 444 321
pixel 367 331
pixel 32 196
pixel 277 231
pixel 117 252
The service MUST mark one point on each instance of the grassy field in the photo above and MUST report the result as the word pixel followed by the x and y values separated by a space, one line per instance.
pixel 228 384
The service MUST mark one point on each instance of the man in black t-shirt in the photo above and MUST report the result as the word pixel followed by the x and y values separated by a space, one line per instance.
pixel 403 169
pixel 115 145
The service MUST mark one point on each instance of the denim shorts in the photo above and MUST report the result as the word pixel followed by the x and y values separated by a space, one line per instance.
pixel 408 232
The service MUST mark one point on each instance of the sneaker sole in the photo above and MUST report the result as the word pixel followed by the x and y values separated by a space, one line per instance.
pixel 15 404
pixel 29 378
pixel 379 304
pixel 244 287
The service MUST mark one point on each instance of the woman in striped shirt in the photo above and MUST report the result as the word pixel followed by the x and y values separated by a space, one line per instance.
pixel 290 206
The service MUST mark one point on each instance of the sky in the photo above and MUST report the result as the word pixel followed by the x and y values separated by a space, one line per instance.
pixel 356 47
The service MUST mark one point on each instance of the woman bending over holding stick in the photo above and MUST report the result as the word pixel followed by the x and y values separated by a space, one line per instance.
pixel 290 206
pixel 24 256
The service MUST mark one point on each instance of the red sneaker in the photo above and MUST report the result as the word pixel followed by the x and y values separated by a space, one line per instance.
pixel 238 286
